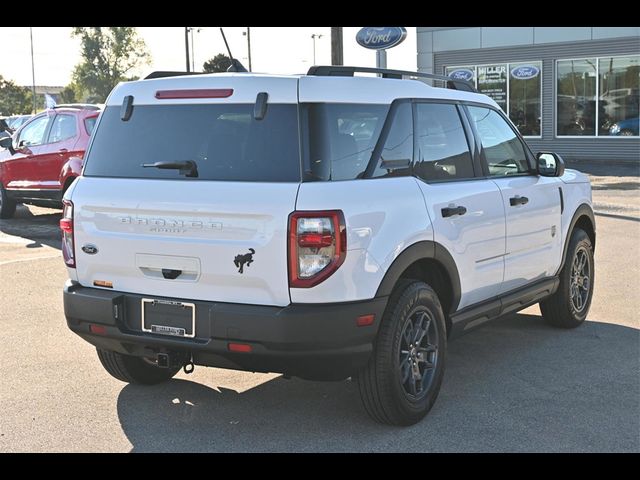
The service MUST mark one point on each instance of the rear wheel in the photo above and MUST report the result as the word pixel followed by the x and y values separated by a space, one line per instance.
pixel 402 380
pixel 132 369
pixel 568 307
pixel 7 205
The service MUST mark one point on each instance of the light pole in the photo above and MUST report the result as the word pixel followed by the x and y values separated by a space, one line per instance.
pixel 33 72
pixel 313 37
pixel 186 47
pixel 193 47
pixel 248 35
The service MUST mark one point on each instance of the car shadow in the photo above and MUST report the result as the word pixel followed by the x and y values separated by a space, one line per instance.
pixel 514 385
pixel 41 227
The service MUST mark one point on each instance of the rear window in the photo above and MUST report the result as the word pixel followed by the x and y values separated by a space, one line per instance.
pixel 224 141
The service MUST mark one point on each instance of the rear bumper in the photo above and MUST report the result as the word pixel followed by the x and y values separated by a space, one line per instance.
pixel 320 341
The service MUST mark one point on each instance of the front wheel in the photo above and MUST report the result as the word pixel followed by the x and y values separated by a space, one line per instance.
pixel 568 307
pixel 401 382
pixel 130 369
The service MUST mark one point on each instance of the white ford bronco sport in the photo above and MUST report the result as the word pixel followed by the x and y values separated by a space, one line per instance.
pixel 323 226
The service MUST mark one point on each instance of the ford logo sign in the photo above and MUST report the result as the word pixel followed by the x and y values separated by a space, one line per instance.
pixel 380 38
pixel 462 74
pixel 525 72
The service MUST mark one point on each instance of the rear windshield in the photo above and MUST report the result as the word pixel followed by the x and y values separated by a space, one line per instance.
pixel 224 140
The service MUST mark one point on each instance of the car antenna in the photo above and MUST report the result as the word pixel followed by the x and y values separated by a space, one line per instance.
pixel 235 66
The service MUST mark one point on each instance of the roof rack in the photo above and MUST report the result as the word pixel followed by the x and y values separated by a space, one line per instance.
pixel 344 71
pixel 162 74
pixel 82 106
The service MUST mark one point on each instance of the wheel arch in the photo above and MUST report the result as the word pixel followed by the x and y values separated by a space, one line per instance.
pixel 584 219
pixel 431 262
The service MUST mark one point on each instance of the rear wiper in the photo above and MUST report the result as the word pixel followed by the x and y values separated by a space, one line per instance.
pixel 188 168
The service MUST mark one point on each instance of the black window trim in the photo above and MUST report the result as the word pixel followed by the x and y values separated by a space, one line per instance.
pixel 483 160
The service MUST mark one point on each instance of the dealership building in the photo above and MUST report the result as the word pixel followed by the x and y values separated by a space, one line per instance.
pixel 571 90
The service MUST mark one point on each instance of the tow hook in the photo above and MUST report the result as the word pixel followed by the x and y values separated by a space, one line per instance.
pixel 188 367
pixel 163 360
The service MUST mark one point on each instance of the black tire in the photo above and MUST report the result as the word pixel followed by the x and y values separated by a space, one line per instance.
pixel 563 309
pixel 386 398
pixel 7 205
pixel 132 369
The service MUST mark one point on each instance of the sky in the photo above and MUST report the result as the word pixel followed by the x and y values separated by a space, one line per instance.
pixel 273 50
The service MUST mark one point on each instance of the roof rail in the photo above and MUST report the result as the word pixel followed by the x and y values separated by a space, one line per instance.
pixel 344 71
pixel 162 74
pixel 82 106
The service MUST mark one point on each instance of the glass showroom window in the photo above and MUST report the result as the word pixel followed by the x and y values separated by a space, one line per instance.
pixel 576 97
pixel 619 86
pixel 515 87
pixel 524 97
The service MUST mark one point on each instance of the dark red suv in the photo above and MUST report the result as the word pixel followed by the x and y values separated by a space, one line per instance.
pixel 44 156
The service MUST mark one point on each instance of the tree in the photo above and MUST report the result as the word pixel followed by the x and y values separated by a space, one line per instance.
pixel 14 100
pixel 217 64
pixel 108 57
pixel 69 94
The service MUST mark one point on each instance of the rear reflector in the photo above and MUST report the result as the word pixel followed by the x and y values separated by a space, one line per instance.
pixel 239 347
pixel 98 329
pixel 102 283
pixel 197 93
pixel 365 320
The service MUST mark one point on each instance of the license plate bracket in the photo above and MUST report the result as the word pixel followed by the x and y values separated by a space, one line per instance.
pixel 168 317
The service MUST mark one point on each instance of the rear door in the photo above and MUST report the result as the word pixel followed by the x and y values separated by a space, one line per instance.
pixel 60 146
pixel 218 236
pixel 466 211
pixel 531 202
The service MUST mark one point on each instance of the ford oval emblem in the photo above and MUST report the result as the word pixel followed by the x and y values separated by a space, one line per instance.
pixel 380 38
pixel 462 74
pixel 525 72
pixel 90 249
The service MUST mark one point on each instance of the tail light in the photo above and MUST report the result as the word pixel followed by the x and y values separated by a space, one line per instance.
pixel 317 246
pixel 66 225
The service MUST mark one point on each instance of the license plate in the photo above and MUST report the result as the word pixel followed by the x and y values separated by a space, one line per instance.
pixel 166 317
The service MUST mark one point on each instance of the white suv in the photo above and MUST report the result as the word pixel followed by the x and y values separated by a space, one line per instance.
pixel 323 226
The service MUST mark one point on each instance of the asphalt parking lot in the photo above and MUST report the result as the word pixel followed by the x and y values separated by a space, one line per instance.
pixel 513 385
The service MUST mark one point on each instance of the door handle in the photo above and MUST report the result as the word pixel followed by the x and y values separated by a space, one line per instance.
pixel 518 200
pixel 451 211
pixel 63 150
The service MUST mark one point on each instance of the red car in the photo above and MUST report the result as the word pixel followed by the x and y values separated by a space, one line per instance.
pixel 44 156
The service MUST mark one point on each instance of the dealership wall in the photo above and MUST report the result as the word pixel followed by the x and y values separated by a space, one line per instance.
pixel 439 47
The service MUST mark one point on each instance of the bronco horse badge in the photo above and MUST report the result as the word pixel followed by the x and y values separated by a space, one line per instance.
pixel 243 259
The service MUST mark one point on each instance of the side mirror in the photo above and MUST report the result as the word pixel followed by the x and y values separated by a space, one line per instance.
pixel 549 164
pixel 7 142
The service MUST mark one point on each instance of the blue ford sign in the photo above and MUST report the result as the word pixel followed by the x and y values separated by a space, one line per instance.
pixel 380 38
pixel 525 72
pixel 462 74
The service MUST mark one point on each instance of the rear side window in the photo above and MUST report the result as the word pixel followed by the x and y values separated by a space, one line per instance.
pixel 341 138
pixel 63 128
pixel 224 140
pixel 443 151
pixel 89 124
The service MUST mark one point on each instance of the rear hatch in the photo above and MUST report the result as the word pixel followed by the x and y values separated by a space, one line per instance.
pixel 212 227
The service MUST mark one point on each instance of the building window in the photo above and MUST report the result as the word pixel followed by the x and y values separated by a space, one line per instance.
pixel 515 87
pixel 598 96
pixel 619 87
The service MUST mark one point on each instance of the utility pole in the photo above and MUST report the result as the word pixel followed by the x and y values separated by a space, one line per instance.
pixel 336 46
pixel 313 37
pixel 186 47
pixel 248 35
pixel 33 72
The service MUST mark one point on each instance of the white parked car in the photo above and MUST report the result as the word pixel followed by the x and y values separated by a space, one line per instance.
pixel 324 226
